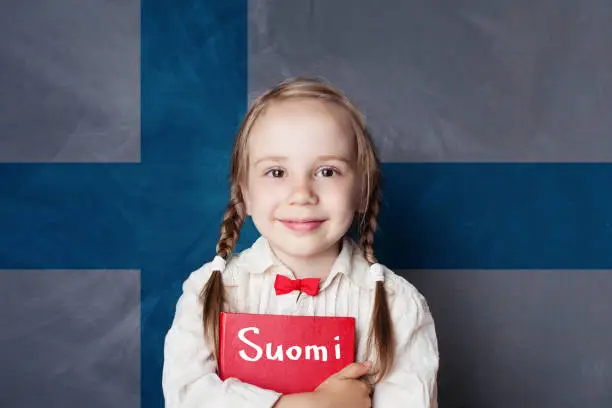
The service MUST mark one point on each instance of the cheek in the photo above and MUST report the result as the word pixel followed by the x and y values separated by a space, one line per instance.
pixel 264 195
pixel 343 196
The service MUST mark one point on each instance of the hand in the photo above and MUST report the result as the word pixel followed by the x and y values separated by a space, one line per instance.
pixel 344 389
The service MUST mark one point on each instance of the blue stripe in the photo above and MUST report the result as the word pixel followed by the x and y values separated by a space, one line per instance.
pixel 194 90
pixel 496 216
pixel 434 216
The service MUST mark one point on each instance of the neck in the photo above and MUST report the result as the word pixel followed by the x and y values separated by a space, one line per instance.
pixel 317 266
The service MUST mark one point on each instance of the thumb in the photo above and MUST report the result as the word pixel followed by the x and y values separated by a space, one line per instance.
pixel 354 371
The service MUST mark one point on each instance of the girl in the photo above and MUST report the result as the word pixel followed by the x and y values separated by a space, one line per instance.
pixel 304 169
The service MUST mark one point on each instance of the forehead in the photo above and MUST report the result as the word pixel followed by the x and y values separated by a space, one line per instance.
pixel 302 127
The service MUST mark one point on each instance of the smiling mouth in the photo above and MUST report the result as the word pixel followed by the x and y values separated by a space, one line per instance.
pixel 302 225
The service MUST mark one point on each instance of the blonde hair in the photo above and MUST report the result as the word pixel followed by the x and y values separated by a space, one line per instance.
pixel 380 336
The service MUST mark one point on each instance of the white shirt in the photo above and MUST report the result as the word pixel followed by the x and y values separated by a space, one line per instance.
pixel 189 372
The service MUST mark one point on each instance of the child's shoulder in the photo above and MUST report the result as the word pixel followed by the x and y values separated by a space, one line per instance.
pixel 403 297
pixel 234 267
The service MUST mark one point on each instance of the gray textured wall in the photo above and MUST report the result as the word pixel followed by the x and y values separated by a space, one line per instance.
pixel 448 81
pixel 70 338
pixel 69 75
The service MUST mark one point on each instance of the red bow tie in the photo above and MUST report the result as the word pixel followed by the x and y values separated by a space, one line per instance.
pixel 283 285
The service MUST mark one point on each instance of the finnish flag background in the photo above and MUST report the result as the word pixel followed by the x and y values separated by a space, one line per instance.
pixel 494 123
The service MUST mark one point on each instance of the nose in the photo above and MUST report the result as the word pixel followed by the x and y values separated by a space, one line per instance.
pixel 303 192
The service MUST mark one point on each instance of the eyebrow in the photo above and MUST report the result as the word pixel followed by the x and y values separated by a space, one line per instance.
pixel 320 158
pixel 270 158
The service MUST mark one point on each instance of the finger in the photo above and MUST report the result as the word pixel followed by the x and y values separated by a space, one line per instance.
pixel 354 371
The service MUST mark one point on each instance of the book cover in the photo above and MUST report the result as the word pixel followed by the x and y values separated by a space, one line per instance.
pixel 288 354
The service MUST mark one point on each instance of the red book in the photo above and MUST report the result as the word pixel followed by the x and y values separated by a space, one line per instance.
pixel 288 354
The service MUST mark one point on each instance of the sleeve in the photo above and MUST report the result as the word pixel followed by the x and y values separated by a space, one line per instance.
pixel 413 380
pixel 189 378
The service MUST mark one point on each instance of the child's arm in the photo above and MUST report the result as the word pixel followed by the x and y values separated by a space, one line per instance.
pixel 413 380
pixel 189 373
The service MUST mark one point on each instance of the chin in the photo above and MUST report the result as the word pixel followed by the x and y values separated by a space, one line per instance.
pixel 301 252
pixel 302 246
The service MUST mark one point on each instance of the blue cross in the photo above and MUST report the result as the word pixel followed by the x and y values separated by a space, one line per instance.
pixel 162 215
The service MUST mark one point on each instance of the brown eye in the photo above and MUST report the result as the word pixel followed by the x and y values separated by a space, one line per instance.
pixel 327 172
pixel 276 173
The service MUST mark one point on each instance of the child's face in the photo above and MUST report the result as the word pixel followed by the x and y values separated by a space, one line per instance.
pixel 302 184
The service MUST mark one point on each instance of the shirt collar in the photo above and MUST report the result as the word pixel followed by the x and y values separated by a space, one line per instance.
pixel 350 262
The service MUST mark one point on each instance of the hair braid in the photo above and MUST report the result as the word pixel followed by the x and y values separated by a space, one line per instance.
pixel 213 293
pixel 380 335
